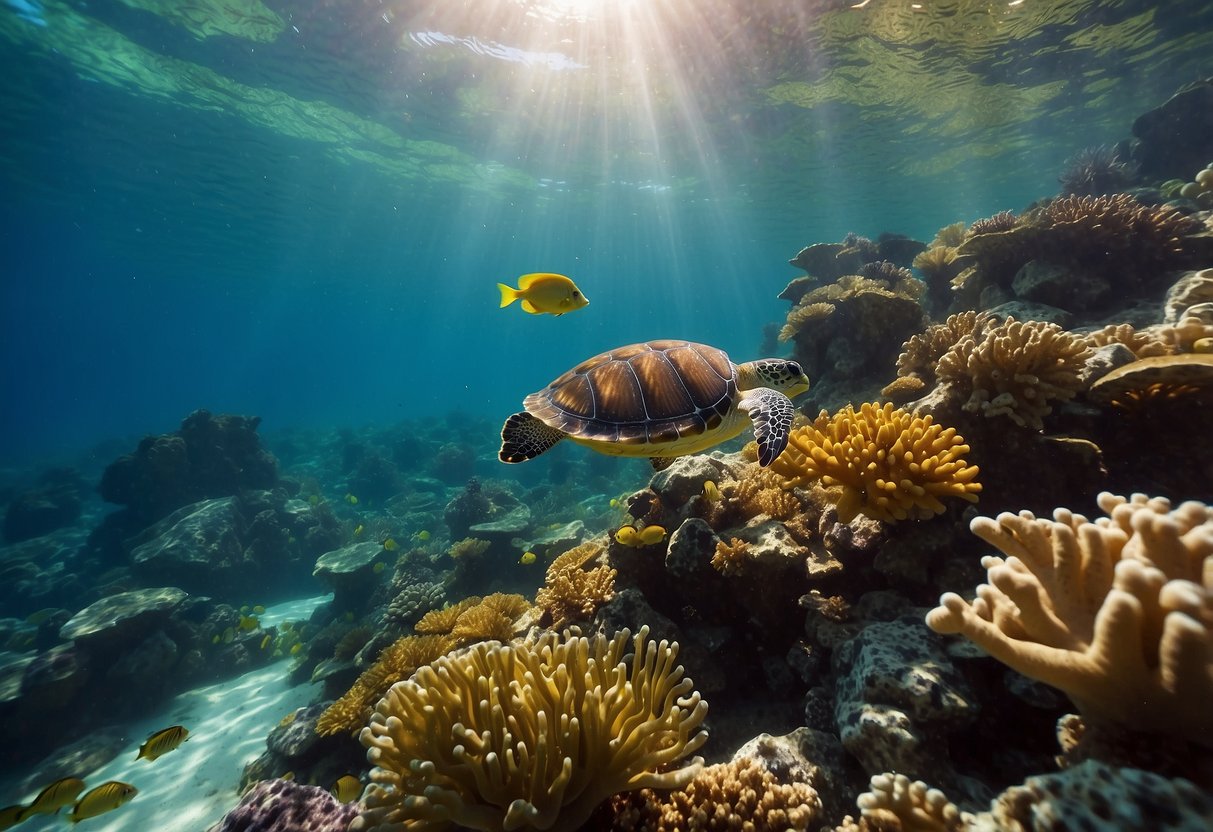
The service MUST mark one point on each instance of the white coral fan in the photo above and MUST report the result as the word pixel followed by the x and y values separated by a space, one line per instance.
pixel 1117 612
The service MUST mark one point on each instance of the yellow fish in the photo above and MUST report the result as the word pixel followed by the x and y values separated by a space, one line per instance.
pixel 710 492
pixel 290 775
pixel 215 639
pixel 614 502
pixel 358 531
pixel 378 567
pixel 313 499
pixel 351 499
pixel 258 609
pixel 249 622
pixel 105 798
pixel 423 535
pixel 297 649
pixel 391 545
pixel 162 742
pixel 347 789
pixel 53 798
pixel 229 635
pixel 265 642
pixel 650 535
pixel 527 558
pixel 10 816
pixel 628 536
pixel 543 292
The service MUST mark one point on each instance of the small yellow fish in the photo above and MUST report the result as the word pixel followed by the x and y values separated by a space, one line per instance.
pixel 53 798
pixel 258 610
pixel 614 502
pixel 229 635
pixel 710 492
pixel 527 558
pixel 10 816
pixel 423 535
pixel 314 499
pixel 162 742
pixel 378 567
pixel 347 789
pixel 245 609
pixel 391 545
pixel 358 531
pixel 248 623
pixel 650 535
pixel 351 499
pixel 544 292
pixel 265 642
pixel 290 775
pixel 297 649
pixel 215 639
pixel 105 798
pixel 288 719
pixel 628 536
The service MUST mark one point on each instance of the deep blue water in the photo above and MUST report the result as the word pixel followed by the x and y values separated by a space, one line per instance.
pixel 304 218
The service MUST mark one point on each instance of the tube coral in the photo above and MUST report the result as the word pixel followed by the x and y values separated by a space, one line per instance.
pixel 534 735
pixel 1116 612
pixel 890 464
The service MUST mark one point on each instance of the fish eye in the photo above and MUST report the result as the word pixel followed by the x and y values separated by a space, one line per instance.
pixel 576 294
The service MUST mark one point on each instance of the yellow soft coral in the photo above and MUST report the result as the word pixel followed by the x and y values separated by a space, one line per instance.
pixel 571 592
pixel 1015 369
pixel 739 795
pixel 396 662
pixel 532 735
pixel 891 464
pixel 1118 612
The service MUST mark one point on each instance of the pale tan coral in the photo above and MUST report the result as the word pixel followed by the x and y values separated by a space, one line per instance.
pixel 532 735
pixel 950 235
pixel 1016 369
pixel 801 315
pixel 1182 337
pixel 571 592
pixel 396 662
pixel 1142 344
pixel 1118 612
pixel 730 558
pixel 483 623
pixel 760 491
pixel 739 795
pixel 443 620
pixel 937 264
pixel 468 548
pixel 921 352
pixel 896 802
pixel 511 605
pixel 890 464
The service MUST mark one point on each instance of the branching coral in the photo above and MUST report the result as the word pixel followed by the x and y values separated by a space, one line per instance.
pixel 920 354
pixel 398 661
pixel 476 618
pixel 443 620
pixel 1002 221
pixel 739 795
pixel 894 802
pixel 1141 344
pixel 570 591
pixel 890 464
pixel 760 491
pixel 1016 369
pixel 532 735
pixel 730 558
pixel 1116 226
pixel 1117 612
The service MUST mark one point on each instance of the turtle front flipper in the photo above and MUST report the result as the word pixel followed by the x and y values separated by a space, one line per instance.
pixel 524 437
pixel 771 412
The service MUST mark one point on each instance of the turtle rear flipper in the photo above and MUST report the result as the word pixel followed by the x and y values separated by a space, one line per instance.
pixel 524 437
pixel 771 412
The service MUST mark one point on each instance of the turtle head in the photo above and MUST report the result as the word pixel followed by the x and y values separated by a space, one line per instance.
pixel 779 374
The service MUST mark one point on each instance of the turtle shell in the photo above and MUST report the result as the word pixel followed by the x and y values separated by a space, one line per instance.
pixel 649 394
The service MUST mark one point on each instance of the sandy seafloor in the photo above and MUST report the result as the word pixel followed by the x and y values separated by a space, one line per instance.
pixel 192 787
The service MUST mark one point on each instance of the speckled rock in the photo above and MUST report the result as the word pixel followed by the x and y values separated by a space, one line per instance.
pixel 286 806
pixel 1026 311
pixel 1190 290
pixel 1058 286
pixel 124 615
pixel 1104 360
pixel 805 756
pixel 295 739
pixel 684 479
pixel 897 691
pixel 557 540
pixel 147 664
pixel 1094 795
pixel 772 548
pixel 690 550
pixel 349 572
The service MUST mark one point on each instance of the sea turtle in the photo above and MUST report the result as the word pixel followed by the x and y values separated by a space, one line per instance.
pixel 659 399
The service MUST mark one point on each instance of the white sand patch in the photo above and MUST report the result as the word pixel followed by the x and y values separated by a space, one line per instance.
pixel 192 787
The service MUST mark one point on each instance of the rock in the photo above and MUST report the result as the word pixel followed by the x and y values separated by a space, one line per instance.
pixel 1193 288
pixel 123 616
pixel 827 261
pixel 1104 360
pixel 690 550
pixel 512 522
pixel 684 479
pixel 1176 139
pixel 52 504
pixel 1054 285
pixel 294 740
pixel 798 288
pixel 897 693
pixel 77 759
pixel 804 756
pixel 287 806
pixel 1026 311
pixel 195 546
pixel 349 572
pixel 557 540
pixel 146 665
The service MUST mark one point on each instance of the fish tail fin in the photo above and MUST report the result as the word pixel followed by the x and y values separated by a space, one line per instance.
pixel 22 816
pixel 508 295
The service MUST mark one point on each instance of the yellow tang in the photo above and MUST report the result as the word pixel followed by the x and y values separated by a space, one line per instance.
pixel 105 798
pixel 710 492
pixel 628 536
pixel 265 642
pixel 527 558
pixel 378 567
pixel 391 545
pixel 347 789
pixel 544 292
pixel 313 499
pixel 650 535
pixel 351 499
pixel 10 816
pixel 249 622
pixel 162 742
pixel 358 531
pixel 53 798
pixel 258 609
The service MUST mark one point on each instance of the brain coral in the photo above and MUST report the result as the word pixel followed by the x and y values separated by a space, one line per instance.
pixel 890 464
pixel 1015 369
pixel 1117 612
pixel 532 735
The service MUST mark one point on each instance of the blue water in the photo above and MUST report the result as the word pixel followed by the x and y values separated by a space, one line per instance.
pixel 204 234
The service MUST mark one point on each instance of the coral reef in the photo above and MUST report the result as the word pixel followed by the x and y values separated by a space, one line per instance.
pixel 895 802
pixel 1016 369
pixel 1002 221
pixel 921 353
pixel 570 591
pixel 1097 171
pixel 890 464
pixel 741 794
pixel 533 734
pixel 286 806
pixel 1117 612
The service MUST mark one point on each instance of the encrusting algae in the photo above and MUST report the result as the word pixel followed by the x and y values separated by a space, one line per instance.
pixel 890 464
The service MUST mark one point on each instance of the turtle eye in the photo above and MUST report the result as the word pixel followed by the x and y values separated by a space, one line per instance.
pixel 793 368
